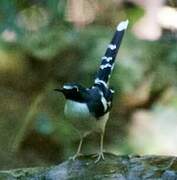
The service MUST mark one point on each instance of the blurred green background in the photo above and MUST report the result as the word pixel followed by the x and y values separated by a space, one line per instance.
pixel 44 44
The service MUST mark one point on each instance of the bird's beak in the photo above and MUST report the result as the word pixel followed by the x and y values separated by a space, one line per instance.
pixel 59 90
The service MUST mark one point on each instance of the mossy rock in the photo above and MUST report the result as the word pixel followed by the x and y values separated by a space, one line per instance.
pixel 114 167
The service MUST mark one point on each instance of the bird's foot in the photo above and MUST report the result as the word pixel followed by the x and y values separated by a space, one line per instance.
pixel 99 156
pixel 76 156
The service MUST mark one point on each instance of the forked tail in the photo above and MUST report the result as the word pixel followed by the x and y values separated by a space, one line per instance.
pixel 108 60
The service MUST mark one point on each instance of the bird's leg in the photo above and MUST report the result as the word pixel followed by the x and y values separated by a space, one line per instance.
pixel 78 153
pixel 100 154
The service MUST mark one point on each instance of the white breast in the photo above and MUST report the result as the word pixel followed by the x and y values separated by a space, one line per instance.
pixel 79 116
pixel 76 109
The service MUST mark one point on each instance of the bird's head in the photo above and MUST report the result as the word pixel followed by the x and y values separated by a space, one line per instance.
pixel 72 91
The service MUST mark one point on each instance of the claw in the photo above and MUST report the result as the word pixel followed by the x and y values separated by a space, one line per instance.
pixel 100 156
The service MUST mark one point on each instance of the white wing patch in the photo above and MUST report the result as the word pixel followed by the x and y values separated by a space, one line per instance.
pixel 103 100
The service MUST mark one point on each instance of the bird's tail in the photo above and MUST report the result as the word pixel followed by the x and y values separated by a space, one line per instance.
pixel 108 59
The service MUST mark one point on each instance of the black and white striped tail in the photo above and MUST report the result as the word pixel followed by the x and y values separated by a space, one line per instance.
pixel 108 59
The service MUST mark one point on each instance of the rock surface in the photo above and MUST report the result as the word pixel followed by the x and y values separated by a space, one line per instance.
pixel 113 168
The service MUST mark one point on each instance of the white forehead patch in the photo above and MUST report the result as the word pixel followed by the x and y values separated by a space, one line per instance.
pixel 69 87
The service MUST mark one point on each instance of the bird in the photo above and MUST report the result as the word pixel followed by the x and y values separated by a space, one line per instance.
pixel 88 109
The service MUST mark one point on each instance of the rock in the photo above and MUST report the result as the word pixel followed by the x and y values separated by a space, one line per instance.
pixel 114 167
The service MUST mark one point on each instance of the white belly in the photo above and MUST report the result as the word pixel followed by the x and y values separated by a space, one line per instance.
pixel 75 109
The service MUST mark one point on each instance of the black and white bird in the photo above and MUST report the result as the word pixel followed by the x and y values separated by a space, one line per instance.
pixel 88 108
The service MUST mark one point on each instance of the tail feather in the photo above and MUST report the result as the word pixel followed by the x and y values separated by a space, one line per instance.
pixel 107 63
